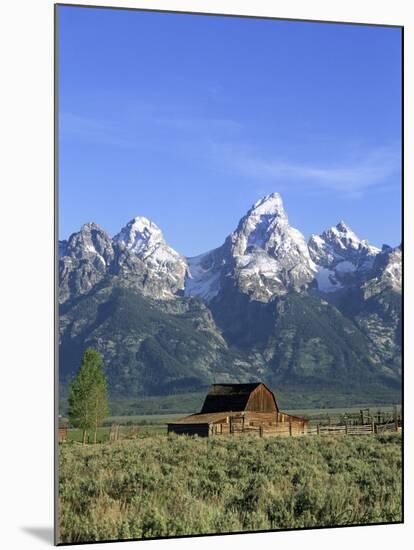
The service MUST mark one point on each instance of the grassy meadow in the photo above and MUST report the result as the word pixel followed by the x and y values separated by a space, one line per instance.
pixel 158 486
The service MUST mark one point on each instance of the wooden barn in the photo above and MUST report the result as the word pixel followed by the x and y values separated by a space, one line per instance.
pixel 239 409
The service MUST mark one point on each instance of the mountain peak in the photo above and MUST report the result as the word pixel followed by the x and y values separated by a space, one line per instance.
pixel 265 247
pixel 141 224
pixel 269 205
pixel 341 235
pixel 139 234
pixel 341 256
pixel 343 227
pixel 144 238
pixel 264 219
pixel 91 226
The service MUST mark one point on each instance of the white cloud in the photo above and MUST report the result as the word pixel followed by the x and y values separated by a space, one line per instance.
pixel 373 169
pixel 219 140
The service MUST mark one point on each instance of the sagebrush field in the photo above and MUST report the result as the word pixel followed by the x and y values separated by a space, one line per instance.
pixel 161 486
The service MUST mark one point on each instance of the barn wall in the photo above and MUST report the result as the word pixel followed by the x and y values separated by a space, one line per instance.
pixel 261 400
pixel 261 417
pixel 263 424
pixel 283 417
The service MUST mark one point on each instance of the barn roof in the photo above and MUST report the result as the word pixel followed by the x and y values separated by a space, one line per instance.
pixel 228 397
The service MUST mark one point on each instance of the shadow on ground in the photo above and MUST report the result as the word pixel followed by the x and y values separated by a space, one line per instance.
pixel 43 533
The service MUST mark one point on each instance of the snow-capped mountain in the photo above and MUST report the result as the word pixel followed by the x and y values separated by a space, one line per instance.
pixel 263 306
pixel 265 256
pixel 137 257
pixel 84 260
pixel 271 257
pixel 91 243
pixel 144 239
pixel 341 257
pixel 204 274
pixel 387 271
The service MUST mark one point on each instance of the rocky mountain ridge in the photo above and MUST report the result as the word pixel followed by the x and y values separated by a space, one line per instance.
pixel 265 257
pixel 265 305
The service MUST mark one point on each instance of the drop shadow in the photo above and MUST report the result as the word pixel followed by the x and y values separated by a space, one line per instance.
pixel 43 533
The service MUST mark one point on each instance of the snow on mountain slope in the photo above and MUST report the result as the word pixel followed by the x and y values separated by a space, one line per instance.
pixel 387 272
pixel 143 238
pixel 84 260
pixel 342 258
pixel 270 255
pixel 265 256
pixel 326 279
pixel 392 274
pixel 203 278
pixel 91 243
pixel 137 257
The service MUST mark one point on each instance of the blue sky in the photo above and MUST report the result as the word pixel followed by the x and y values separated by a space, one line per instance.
pixel 188 120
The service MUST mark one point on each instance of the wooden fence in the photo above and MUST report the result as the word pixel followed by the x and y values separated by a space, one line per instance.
pixel 63 434
pixel 293 429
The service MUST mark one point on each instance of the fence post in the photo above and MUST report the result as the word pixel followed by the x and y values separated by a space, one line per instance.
pixel 261 431
pixel 290 427
pixel 346 427
pixel 373 427
pixel 317 429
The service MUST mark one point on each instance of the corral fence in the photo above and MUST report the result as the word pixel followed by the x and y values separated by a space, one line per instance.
pixel 293 429
pixel 63 434
pixel 356 429
pixel 106 434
